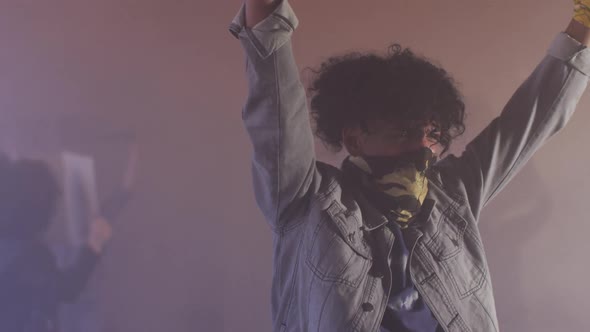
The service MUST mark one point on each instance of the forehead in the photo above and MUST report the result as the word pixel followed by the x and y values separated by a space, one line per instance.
pixel 392 124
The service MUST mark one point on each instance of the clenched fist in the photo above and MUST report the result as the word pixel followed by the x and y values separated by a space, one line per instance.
pixel 582 12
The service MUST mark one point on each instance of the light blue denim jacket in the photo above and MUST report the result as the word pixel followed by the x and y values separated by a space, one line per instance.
pixel 327 273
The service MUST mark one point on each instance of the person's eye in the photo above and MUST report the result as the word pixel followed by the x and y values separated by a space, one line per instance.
pixel 434 133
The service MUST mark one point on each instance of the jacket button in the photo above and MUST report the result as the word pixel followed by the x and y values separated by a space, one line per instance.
pixel 351 237
pixel 367 307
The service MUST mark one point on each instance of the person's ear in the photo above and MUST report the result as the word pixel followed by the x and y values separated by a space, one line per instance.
pixel 351 138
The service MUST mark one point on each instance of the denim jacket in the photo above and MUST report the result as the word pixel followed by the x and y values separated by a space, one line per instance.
pixel 329 247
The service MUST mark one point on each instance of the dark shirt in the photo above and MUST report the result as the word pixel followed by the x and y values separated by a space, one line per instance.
pixel 406 311
pixel 32 286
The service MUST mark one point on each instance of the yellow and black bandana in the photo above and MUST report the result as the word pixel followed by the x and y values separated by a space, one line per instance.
pixel 397 185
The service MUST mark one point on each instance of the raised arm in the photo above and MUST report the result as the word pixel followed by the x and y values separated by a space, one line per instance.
pixel 540 107
pixel 114 204
pixel 275 115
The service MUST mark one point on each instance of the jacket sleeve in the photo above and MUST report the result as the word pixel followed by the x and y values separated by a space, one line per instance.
pixel 72 280
pixel 539 108
pixel 276 116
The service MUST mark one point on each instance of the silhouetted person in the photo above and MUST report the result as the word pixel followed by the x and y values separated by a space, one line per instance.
pixel 31 284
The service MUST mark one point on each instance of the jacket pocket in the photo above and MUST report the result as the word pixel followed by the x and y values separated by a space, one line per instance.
pixel 458 252
pixel 337 257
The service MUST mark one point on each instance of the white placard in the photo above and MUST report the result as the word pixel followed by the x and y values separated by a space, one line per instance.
pixel 80 195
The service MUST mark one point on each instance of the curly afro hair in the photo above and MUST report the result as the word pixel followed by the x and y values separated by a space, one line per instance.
pixel 352 89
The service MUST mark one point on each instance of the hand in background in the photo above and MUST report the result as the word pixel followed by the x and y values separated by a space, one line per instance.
pixel 100 233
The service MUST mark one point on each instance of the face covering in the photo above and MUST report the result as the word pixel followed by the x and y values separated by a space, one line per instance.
pixel 397 185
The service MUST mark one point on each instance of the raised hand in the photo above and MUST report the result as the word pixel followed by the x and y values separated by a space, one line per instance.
pixel 582 12
pixel 100 233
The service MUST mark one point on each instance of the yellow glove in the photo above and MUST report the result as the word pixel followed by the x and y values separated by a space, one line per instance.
pixel 582 12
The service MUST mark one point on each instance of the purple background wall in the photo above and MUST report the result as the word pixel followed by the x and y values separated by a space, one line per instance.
pixel 193 252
